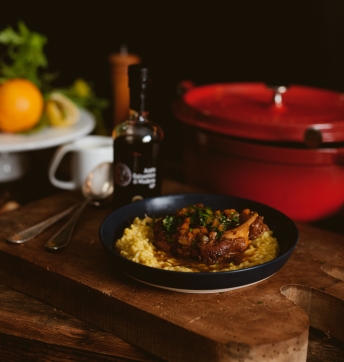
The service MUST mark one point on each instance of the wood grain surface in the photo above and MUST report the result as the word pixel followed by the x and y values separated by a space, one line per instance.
pixel 254 323
pixel 48 328
pixel 33 330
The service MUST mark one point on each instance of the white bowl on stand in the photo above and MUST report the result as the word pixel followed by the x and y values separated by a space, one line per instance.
pixel 13 165
pixel 14 155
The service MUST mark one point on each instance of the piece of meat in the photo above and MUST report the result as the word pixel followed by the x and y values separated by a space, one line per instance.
pixel 257 228
pixel 160 237
pixel 232 241
pixel 191 240
pixel 221 250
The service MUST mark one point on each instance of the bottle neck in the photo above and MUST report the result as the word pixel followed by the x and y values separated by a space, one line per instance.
pixel 139 91
pixel 138 102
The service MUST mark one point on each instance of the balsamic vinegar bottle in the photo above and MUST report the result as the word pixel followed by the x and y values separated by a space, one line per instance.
pixel 137 142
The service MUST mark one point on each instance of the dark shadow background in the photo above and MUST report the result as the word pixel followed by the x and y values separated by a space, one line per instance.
pixel 296 41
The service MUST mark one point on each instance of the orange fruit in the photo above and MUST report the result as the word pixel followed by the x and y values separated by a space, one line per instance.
pixel 21 105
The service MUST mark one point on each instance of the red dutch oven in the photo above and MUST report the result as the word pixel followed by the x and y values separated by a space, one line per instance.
pixel 282 146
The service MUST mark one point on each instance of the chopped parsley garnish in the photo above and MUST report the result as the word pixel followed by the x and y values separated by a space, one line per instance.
pixel 198 216
pixel 170 223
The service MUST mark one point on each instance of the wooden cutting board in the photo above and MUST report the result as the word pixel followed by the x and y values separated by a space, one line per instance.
pixel 256 323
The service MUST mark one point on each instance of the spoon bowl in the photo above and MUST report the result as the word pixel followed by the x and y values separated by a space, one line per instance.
pixel 97 187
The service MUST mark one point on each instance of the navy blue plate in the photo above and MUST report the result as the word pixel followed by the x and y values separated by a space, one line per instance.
pixel 112 228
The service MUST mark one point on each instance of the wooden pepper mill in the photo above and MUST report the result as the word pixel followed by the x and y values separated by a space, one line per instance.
pixel 119 74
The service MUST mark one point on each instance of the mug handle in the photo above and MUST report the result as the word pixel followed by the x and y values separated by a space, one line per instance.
pixel 57 158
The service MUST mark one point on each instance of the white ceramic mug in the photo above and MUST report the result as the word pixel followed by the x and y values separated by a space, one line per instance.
pixel 87 153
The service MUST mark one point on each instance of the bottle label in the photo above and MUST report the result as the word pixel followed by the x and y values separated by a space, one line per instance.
pixel 123 175
pixel 147 177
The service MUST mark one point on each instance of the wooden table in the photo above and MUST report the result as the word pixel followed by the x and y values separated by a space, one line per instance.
pixel 33 330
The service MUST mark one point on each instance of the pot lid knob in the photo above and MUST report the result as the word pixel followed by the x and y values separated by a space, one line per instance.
pixel 313 137
pixel 278 91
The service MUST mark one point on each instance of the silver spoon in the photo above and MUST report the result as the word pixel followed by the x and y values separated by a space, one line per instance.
pixel 25 235
pixel 97 186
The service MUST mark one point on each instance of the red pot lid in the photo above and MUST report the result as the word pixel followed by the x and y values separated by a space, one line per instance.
pixel 255 111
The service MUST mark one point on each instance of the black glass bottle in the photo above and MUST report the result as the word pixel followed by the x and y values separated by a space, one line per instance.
pixel 137 142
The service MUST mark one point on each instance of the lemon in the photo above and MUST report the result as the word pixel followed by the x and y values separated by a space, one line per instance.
pixel 61 111
pixel 81 88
